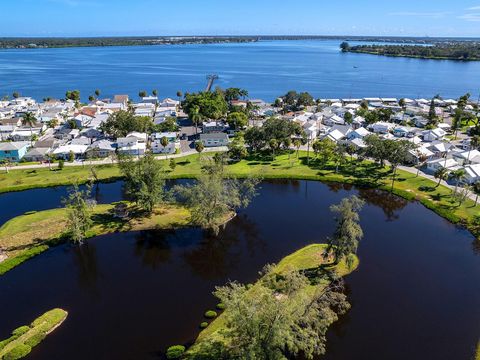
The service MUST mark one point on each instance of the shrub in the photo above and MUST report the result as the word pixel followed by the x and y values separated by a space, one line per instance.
pixel 221 306
pixel 17 352
pixel 61 164
pixel 210 314
pixel 175 352
pixel 29 213
pixel 20 331
pixel 35 339
pixel 203 325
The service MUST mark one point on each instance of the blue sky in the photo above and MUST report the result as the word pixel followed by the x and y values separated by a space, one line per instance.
pixel 221 17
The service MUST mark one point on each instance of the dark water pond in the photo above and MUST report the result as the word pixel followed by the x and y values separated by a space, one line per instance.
pixel 416 294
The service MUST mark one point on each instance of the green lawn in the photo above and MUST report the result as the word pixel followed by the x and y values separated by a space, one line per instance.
pixel 24 338
pixel 309 257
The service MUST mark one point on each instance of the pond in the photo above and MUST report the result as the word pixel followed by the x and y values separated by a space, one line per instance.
pixel 416 294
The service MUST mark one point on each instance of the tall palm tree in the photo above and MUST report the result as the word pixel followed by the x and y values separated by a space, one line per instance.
pixel 29 120
pixel 476 190
pixel 196 117
pixel 441 174
pixel 458 175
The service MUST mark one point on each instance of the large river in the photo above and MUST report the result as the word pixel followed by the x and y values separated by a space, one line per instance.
pixel 415 296
pixel 267 69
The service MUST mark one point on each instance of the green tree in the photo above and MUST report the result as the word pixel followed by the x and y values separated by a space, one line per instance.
pixel 164 142
pixel 91 98
pixel 348 117
pixel 213 198
pixel 179 95
pixel 144 181
pixel 16 95
pixel 6 163
pixel 441 174
pixel 79 209
pixel 235 94
pixel 199 147
pixel 325 150
pixel 280 317
pixel 273 145
pixel 142 94
pixel 237 120
pixel 97 93
pixel 458 176
pixel 345 46
pixel 121 123
pixel 154 92
pixel 255 139
pixel 173 164
pixel 348 231
pixel 196 117
pixel 211 105
pixel 397 154
pixel 236 149
pixel 29 120
pixel 169 125
pixel 376 149
pixel 73 95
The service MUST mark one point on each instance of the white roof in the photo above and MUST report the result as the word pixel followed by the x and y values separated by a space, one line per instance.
pixel 473 171
pixel 76 149
pixel 335 135
pixel 362 131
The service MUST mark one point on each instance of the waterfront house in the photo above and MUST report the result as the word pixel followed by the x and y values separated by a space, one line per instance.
pixel 37 154
pixel 13 151
pixel 214 139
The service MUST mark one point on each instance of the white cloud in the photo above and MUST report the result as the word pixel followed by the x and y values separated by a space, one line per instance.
pixel 432 15
pixel 470 17
pixel 473 8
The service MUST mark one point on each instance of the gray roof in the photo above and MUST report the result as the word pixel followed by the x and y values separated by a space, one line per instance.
pixel 17 145
pixel 214 136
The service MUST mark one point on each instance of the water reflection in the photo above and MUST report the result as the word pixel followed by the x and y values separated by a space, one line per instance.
pixel 215 257
pixel 86 263
pixel 153 247
pixel 388 202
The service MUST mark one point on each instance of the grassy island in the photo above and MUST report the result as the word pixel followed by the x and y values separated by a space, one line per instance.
pixel 28 235
pixel 303 260
pixel 24 338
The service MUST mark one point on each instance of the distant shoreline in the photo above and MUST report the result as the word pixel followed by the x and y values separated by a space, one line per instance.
pixel 72 42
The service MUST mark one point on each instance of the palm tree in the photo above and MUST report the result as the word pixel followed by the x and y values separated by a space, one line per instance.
pixel 458 175
pixel 441 174
pixel 29 120
pixel 164 142
pixel 273 144
pixel 196 117
pixel 6 163
pixel 297 143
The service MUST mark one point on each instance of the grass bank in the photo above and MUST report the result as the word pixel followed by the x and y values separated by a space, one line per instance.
pixel 24 338
pixel 285 166
pixel 309 257
pixel 29 235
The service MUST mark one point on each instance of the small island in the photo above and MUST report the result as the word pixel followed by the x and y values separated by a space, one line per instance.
pixel 455 50
pixel 25 338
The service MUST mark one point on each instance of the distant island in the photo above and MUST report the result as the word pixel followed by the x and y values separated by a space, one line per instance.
pixel 62 42
pixel 445 50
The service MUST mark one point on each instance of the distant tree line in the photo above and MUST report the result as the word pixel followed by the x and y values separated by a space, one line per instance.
pixel 444 50
pixel 19 43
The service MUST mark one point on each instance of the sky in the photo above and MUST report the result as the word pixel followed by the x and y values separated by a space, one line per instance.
pixel 244 17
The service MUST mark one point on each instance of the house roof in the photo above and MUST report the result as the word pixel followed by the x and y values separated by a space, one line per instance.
pixel 14 145
pixel 214 136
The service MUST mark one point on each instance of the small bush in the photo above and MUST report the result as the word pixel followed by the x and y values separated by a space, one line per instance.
pixel 20 331
pixel 61 164
pixel 221 306
pixel 29 213
pixel 210 314
pixel 175 352
pixel 35 339
pixel 17 352
pixel 203 325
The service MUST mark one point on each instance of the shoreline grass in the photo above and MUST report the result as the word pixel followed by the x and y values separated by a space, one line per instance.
pixel 309 257
pixel 25 338
pixel 285 166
